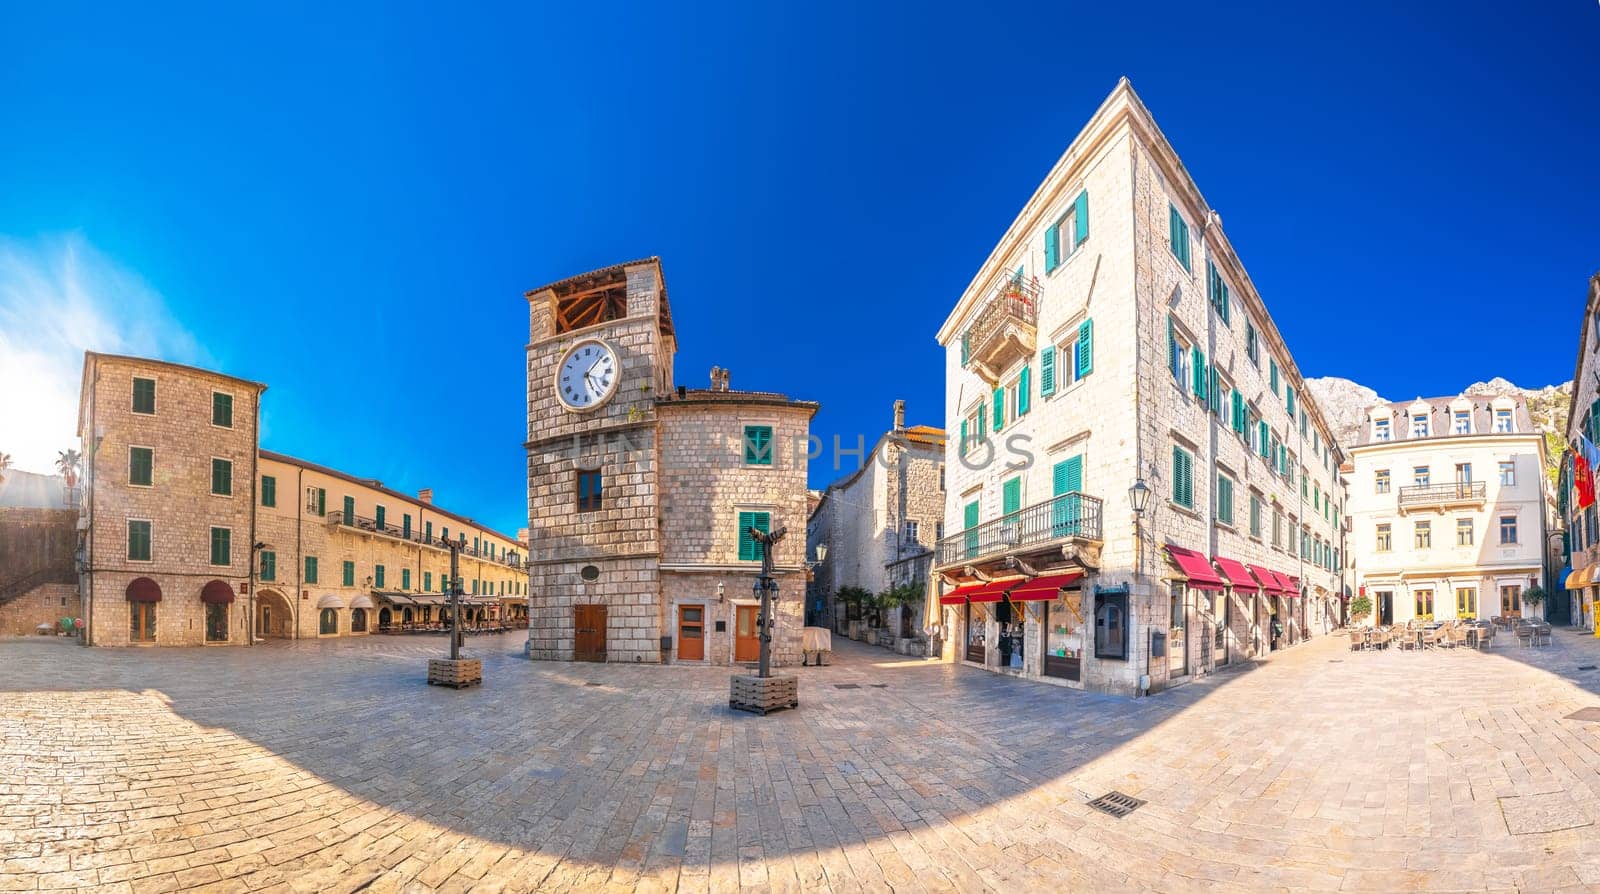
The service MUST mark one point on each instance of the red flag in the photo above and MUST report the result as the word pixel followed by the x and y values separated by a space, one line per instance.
pixel 1583 481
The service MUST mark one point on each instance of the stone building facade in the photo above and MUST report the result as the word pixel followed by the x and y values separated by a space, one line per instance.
pixel 194 535
pixel 1113 339
pixel 637 497
pixel 38 580
pixel 1581 568
pixel 878 527
pixel 1448 499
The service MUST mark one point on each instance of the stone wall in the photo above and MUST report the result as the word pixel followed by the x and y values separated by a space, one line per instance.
pixel 44 604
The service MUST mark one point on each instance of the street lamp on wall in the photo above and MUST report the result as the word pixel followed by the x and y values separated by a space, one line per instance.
pixel 1139 499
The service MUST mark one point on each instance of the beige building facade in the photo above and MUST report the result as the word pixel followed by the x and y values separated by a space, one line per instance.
pixel 1113 340
pixel 1448 498
pixel 641 493
pixel 876 529
pixel 194 535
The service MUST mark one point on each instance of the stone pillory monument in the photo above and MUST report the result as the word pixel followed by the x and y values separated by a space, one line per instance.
pixel 642 494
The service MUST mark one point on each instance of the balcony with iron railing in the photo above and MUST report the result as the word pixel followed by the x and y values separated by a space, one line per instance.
pixel 911 569
pixel 1440 496
pixel 1031 529
pixel 1006 328
pixel 365 525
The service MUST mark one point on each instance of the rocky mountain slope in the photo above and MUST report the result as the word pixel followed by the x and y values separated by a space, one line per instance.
pixel 1345 404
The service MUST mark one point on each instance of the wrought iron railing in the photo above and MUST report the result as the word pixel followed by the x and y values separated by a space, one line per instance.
pixel 1432 494
pixel 1014 301
pixel 415 535
pixel 1069 516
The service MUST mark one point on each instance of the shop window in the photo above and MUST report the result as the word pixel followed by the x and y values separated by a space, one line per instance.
pixel 1111 626
pixel 358 620
pixel 216 622
pixel 328 623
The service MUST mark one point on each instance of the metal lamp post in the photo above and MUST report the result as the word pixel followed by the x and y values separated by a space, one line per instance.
pixel 455 671
pixel 764 693
pixel 1139 499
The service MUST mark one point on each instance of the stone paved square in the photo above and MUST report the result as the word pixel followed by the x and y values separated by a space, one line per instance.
pixel 313 766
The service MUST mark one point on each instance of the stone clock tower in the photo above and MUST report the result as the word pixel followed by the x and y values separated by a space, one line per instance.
pixel 641 493
pixel 593 473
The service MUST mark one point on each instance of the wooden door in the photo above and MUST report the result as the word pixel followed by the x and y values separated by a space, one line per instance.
pixel 142 622
pixel 691 633
pixel 589 633
pixel 746 647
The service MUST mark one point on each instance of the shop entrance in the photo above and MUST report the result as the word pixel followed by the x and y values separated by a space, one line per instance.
pixel 1063 624
pixel 1012 641
pixel 1178 633
pixel 977 630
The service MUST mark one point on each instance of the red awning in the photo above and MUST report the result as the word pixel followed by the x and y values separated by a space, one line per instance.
pixel 994 590
pixel 216 591
pixel 1236 574
pixel 959 595
pixel 143 589
pixel 1045 587
pixel 1291 585
pixel 1196 567
pixel 1269 581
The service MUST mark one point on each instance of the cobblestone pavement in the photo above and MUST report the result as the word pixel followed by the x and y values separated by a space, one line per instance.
pixel 331 766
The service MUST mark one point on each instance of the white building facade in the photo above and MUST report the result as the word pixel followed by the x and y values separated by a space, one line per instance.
pixel 1113 338
pixel 1448 497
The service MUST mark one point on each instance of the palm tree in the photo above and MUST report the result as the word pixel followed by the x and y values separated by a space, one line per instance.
pixel 67 463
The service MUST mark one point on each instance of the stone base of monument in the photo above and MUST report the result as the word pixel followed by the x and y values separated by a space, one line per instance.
pixel 457 673
pixel 763 695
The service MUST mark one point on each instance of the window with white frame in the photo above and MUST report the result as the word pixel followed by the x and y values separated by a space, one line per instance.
pixel 1420 476
pixel 909 536
pixel 1423 533
pixel 1419 426
pixel 1385 539
pixel 1380 481
pixel 1504 422
pixel 1508 529
pixel 1461 422
pixel 1508 473
pixel 1463 532
pixel 1380 430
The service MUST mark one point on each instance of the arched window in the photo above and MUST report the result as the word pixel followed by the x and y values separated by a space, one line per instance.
pixel 405 616
pixel 358 620
pixel 385 618
pixel 329 622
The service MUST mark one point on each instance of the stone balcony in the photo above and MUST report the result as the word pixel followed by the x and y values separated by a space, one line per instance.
pixel 1006 328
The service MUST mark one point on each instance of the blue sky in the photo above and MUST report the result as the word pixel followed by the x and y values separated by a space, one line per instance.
pixel 349 205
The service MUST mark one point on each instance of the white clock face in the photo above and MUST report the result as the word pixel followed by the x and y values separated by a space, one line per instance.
pixel 588 375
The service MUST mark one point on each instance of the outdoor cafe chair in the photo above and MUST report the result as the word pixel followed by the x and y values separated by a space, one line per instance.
pixel 1358 639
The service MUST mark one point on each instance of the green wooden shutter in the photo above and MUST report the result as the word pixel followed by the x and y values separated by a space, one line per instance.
pixel 1238 412
pixel 963 436
pixel 999 408
pixel 970 515
pixel 1199 372
pixel 1085 348
pixel 1264 431
pixel 1182 482
pixel 983 427
pixel 349 510
pixel 1052 242
pixel 1067 476
pixel 1011 496
pixel 966 348
pixel 1024 387
pixel 1172 351
pixel 1080 222
pixel 1047 371
pixel 747 545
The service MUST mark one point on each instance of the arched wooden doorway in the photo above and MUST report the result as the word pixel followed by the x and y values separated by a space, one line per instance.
pixel 274 615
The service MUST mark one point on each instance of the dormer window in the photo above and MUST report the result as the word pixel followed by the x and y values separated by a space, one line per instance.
pixel 1461 422
pixel 1380 430
pixel 1419 426
pixel 1504 422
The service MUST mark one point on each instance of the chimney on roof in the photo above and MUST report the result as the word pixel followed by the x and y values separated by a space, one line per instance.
pixel 426 495
pixel 899 415
pixel 522 536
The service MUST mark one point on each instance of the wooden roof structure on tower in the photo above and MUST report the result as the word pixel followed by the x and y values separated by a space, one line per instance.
pixel 600 296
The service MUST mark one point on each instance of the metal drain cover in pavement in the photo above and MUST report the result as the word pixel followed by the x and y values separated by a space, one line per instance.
pixel 1586 667
pixel 1591 715
pixel 1116 804
pixel 847 685
pixel 880 685
pixel 594 683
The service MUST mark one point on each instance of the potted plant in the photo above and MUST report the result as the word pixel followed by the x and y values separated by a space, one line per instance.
pixel 1533 597
pixel 1360 609
pixel 854 600
pixel 896 597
